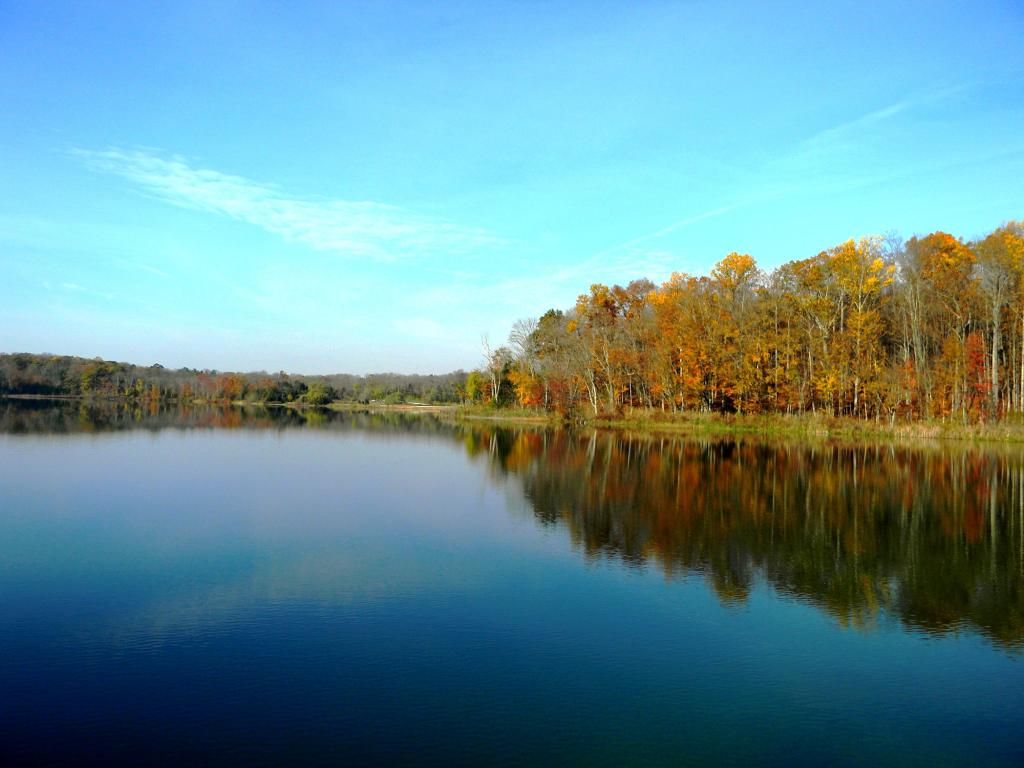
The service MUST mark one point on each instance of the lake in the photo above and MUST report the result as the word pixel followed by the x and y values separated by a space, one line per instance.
pixel 206 586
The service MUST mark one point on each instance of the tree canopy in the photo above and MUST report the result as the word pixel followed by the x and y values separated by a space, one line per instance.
pixel 870 328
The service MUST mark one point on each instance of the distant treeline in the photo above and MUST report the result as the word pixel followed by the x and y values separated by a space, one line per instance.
pixel 930 328
pixel 880 328
pixel 34 374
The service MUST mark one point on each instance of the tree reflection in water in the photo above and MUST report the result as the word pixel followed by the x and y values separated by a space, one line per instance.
pixel 931 535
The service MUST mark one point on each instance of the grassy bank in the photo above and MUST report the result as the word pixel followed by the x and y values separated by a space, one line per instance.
pixel 805 425
pixel 812 425
pixel 451 411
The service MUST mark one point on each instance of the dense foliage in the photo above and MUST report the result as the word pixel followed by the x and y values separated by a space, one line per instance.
pixel 29 374
pixel 879 328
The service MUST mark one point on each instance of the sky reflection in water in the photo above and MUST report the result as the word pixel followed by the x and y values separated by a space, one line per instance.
pixel 262 586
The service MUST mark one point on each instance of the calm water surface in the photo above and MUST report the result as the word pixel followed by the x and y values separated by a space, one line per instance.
pixel 269 587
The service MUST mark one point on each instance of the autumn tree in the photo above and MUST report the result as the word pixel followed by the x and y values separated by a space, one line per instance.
pixel 736 280
pixel 497 363
pixel 938 289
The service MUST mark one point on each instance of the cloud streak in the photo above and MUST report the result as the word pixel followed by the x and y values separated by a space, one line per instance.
pixel 846 135
pixel 847 131
pixel 682 223
pixel 344 227
pixel 786 177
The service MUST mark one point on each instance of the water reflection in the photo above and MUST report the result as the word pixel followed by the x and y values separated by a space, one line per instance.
pixel 931 535
pixel 54 416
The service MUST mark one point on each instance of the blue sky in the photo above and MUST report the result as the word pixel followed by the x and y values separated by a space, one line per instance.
pixel 358 187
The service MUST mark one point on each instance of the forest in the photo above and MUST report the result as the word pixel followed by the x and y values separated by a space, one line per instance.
pixel 59 375
pixel 931 328
pixel 879 328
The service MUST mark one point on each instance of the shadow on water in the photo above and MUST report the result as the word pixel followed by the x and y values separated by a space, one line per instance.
pixel 931 535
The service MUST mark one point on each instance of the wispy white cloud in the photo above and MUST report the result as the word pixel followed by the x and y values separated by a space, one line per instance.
pixel 346 227
pixel 676 225
pixel 852 132
pixel 142 267
pixel 75 289
pixel 837 134
pixel 802 168
pixel 152 270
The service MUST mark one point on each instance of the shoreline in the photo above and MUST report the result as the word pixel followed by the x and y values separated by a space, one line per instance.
pixel 794 426
pixel 804 425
